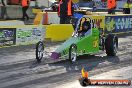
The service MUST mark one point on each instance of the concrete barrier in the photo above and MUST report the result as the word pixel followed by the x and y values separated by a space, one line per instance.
pixel 53 18
pixel 15 11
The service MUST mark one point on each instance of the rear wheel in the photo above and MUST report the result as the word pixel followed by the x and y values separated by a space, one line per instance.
pixel 111 45
pixel 73 53
pixel 39 51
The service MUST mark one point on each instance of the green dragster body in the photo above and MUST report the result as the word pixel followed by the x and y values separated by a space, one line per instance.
pixel 86 39
pixel 85 45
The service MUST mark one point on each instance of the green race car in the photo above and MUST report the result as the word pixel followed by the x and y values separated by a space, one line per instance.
pixel 86 39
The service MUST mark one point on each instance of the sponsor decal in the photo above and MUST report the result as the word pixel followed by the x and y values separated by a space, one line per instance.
pixel 118 24
pixel 110 24
pixel 99 21
pixel 95 42
pixel 7 36
pixel 123 23
pixel 30 35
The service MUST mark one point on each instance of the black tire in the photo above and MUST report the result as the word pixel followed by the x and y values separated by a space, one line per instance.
pixel 73 50
pixel 111 45
pixel 39 51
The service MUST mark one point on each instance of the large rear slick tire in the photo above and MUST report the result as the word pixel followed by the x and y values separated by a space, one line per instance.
pixel 111 45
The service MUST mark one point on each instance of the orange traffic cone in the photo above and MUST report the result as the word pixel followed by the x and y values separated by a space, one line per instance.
pixel 46 18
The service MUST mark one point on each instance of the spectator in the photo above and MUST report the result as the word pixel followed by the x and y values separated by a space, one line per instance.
pixel 65 11
pixel 111 4
pixel 25 6
pixel 127 6
pixel 3 10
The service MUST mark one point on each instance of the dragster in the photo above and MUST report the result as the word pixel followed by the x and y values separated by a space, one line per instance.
pixel 86 39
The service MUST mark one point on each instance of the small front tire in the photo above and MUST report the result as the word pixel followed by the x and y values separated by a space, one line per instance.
pixel 73 53
pixel 39 51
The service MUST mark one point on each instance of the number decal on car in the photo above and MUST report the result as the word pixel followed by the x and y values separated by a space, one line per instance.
pixel 95 42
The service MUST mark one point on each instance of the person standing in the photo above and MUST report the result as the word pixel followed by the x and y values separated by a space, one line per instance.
pixel 127 6
pixel 65 11
pixel 111 4
pixel 3 9
pixel 25 6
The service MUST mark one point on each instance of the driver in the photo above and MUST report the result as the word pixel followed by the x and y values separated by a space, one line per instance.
pixel 85 28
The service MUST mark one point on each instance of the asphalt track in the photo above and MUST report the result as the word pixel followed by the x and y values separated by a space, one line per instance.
pixel 19 69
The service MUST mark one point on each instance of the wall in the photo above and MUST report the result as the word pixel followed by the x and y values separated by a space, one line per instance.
pixel 118 24
pixel 29 35
pixel 7 36
pixel 25 35
pixel 15 11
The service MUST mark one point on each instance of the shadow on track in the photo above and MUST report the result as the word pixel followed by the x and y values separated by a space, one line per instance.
pixel 89 62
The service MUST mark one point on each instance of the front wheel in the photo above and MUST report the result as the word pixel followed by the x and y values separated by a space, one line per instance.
pixel 39 51
pixel 73 53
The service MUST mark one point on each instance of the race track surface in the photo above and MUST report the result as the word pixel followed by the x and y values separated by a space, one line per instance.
pixel 19 69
